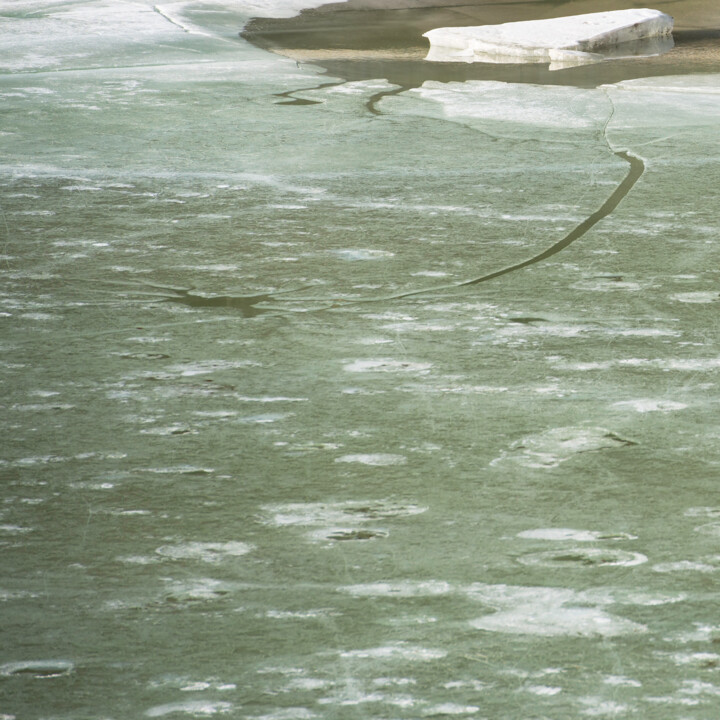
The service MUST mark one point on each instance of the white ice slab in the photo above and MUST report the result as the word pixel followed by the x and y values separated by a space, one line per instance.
pixel 575 39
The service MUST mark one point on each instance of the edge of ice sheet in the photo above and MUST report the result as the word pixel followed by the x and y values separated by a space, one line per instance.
pixel 252 8
pixel 574 39
pixel 700 84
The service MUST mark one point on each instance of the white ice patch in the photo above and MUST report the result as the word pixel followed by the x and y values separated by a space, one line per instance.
pixel 363 254
pixel 396 651
pixel 699 298
pixel 535 105
pixel 401 589
pixel 198 589
pixel 430 273
pixel 137 559
pixel 15 529
pixel 700 659
pixel 542 690
pixel 682 365
pixel 204 367
pixel 418 327
pixel 685 566
pixel 547 612
pixel 450 709
pixel 179 470
pixel 561 534
pixel 264 418
pixel 550 448
pixel 623 596
pixel 383 365
pixel 374 459
pixel 598 707
pixel 648 405
pixel 298 615
pixel 292 713
pixel 526 609
pixel 621 681
pixel 38 668
pixel 698 84
pixel 558 621
pixel 583 557
pixel 268 399
pixel 339 521
pixel 198 708
pixel 209 552
pixel 709 529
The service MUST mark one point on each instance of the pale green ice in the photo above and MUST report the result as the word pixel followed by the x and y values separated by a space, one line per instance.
pixel 272 448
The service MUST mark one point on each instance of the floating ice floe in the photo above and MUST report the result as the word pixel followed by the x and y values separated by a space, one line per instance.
pixel 563 41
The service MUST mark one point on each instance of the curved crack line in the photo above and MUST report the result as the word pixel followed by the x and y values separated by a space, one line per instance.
pixel 637 168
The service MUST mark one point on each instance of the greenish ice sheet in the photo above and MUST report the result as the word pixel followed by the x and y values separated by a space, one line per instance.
pixel 338 399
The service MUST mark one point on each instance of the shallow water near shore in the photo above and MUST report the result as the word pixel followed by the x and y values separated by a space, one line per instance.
pixel 331 395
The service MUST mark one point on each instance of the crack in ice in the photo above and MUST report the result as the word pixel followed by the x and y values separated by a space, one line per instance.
pixel 635 172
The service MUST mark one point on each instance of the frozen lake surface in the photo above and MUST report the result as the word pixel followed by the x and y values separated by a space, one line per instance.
pixel 334 387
